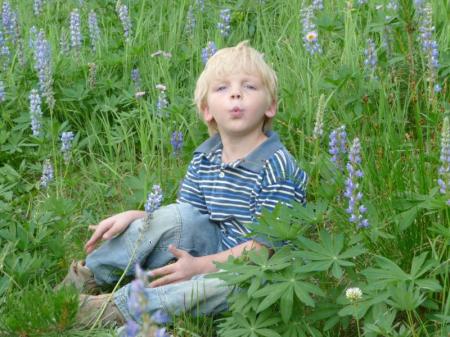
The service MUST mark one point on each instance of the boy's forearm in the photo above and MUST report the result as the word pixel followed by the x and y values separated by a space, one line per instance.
pixel 205 264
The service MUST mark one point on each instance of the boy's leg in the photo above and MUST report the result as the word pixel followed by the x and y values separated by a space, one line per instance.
pixel 179 224
pixel 199 296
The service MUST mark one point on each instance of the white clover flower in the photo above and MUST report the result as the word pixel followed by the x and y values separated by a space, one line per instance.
pixel 353 294
pixel 139 94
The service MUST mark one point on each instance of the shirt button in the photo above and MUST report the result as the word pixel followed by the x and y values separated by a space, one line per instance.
pixel 221 174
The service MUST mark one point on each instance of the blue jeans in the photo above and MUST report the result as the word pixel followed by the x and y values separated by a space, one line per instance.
pixel 186 228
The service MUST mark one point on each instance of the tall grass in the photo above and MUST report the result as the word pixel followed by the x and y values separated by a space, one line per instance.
pixel 122 147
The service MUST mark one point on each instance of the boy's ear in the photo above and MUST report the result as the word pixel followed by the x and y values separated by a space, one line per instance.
pixel 271 110
pixel 207 116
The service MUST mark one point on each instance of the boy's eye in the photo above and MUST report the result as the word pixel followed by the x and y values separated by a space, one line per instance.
pixel 250 86
pixel 221 87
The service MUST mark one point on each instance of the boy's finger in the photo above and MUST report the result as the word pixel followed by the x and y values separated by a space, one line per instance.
pixel 176 252
pixel 166 270
pixel 168 279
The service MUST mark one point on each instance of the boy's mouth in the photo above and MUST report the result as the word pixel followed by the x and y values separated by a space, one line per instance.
pixel 236 111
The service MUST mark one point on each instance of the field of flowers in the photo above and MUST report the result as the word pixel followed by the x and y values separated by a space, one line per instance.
pixel 96 108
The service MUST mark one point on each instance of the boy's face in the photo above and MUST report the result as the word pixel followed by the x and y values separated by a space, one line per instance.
pixel 239 104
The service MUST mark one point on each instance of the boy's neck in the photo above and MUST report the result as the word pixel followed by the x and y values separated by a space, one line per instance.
pixel 235 148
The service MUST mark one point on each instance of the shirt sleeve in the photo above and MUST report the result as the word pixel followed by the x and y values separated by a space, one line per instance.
pixel 190 190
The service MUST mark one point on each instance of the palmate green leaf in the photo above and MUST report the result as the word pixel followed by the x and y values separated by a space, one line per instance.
pixel 327 254
pixel 272 293
pixel 267 333
pixel 419 267
pixel 286 303
pixel 387 272
pixel 303 296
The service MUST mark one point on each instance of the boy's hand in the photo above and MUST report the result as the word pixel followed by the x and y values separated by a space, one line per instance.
pixel 182 270
pixel 110 227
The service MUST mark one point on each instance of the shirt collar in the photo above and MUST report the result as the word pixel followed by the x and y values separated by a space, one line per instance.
pixel 255 160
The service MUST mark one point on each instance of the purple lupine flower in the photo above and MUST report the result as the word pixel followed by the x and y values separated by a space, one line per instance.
pixel 429 45
pixel 162 102
pixel 444 169
pixel 362 2
pixel 2 92
pixel 94 30
pixel 37 7
pixel 208 51
pixel 392 5
pixel 47 174
pixel 161 317
pixel 131 328
pixel 75 30
pixel 371 59
pixel 136 77
pixel 66 144
pixel 42 57
pixel 124 17
pixel 310 34
pixel 224 22
pixel 8 20
pixel 200 4
pixel 356 209
pixel 177 142
pixel 338 146
pixel 190 21
pixel 33 37
pixel 161 332
pixel 317 4
pixel 35 112
pixel 154 200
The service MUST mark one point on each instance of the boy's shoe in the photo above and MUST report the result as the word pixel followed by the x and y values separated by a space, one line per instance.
pixel 81 278
pixel 91 307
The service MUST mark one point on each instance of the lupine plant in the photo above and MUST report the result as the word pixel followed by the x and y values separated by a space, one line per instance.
pixel 75 30
pixel 356 210
pixel 208 51
pixel 47 174
pixel 94 30
pixel 224 22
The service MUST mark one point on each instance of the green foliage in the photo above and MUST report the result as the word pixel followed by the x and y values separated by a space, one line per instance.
pixel 56 313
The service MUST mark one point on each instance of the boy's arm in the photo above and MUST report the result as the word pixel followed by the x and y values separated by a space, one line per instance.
pixel 188 266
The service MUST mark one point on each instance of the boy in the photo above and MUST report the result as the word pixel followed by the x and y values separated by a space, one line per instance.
pixel 242 168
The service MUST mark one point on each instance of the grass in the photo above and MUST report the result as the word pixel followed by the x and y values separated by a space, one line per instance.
pixel 122 147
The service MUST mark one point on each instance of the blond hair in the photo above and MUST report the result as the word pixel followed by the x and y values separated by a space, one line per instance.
pixel 241 58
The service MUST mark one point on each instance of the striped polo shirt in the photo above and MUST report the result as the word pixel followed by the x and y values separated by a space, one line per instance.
pixel 233 194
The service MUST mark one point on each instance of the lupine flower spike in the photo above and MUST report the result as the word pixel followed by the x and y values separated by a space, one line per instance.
pixel 66 145
pixel 310 34
pixel 47 174
pixel 224 22
pixel 444 169
pixel 154 200
pixel 318 127
pixel 37 7
pixel 177 142
pixel 94 30
pixel 162 103
pixel 92 79
pixel 190 21
pixel 35 112
pixel 429 45
pixel 124 17
pixel 338 146
pixel 371 59
pixel 355 209
pixel 42 57
pixel 75 30
pixel 208 51
pixel 2 92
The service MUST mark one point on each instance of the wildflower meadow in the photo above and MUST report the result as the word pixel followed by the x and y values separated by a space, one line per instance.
pixel 97 117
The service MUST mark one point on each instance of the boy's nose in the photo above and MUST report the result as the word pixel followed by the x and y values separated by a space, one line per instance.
pixel 236 95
